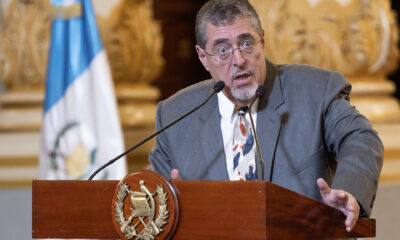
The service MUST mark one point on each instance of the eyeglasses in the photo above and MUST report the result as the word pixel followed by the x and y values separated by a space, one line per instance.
pixel 223 54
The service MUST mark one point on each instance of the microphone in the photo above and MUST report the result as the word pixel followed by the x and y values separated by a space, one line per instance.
pixel 217 88
pixel 259 93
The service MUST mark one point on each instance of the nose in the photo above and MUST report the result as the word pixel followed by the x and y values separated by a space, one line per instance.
pixel 237 57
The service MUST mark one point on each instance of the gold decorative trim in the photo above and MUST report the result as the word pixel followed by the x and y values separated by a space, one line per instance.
pixel 66 12
pixel 18 161
pixel 133 41
pixel 12 184
pixel 355 37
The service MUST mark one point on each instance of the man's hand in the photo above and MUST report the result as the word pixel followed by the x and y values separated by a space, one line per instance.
pixel 340 200
pixel 175 174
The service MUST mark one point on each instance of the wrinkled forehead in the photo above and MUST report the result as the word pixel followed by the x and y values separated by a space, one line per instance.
pixel 239 29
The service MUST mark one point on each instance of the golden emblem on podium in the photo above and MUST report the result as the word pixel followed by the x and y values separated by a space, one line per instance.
pixel 141 223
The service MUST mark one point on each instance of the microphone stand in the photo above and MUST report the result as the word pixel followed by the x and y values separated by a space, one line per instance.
pixel 217 88
pixel 259 93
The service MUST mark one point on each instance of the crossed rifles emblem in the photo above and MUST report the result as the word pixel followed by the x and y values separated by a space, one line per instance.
pixel 144 209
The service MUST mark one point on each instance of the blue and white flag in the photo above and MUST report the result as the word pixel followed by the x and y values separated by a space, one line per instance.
pixel 81 129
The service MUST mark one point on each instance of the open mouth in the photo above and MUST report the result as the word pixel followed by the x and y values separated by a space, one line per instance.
pixel 242 78
pixel 242 75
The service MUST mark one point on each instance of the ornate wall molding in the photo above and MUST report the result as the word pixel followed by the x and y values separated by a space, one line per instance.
pixel 358 38
pixel 133 42
pixel 131 36
pixel 355 37
pixel 24 44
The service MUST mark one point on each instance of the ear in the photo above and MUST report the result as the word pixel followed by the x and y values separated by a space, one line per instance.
pixel 262 39
pixel 202 56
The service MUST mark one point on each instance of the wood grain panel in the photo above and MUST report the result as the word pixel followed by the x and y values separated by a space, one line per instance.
pixel 68 209
pixel 208 210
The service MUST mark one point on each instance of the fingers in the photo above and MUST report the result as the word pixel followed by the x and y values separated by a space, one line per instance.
pixel 346 203
pixel 352 212
pixel 175 174
pixel 331 197
pixel 351 220
pixel 340 200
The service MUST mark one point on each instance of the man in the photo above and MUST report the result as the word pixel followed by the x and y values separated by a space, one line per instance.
pixel 310 136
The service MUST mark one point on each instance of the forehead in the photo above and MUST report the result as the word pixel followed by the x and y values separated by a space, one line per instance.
pixel 230 32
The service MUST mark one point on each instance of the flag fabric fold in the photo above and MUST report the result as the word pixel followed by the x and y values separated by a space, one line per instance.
pixel 80 129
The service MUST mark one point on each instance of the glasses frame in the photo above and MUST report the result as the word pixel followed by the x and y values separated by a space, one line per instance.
pixel 232 51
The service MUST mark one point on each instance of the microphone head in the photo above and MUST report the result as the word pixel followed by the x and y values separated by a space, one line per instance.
pixel 261 90
pixel 218 86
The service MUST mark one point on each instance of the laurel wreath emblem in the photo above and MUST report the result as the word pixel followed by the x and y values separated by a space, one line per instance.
pixel 130 231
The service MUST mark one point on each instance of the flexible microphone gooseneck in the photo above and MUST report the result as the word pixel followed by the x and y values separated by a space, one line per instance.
pixel 259 93
pixel 217 88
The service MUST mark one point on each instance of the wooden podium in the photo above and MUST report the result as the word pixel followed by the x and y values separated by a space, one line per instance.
pixel 202 210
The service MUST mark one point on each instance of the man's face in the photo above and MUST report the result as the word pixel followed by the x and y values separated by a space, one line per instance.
pixel 243 73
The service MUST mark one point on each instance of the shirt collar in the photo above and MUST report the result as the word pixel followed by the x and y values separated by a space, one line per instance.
pixel 227 108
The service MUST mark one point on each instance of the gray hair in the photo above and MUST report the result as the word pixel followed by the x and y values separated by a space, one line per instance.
pixel 221 12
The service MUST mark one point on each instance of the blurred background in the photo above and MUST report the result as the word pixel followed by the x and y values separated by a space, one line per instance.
pixel 150 49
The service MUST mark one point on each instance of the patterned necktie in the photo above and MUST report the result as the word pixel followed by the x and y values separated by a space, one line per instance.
pixel 244 167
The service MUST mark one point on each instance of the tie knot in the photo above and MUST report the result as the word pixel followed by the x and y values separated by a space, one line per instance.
pixel 241 111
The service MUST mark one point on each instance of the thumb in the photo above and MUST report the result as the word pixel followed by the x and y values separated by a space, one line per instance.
pixel 175 174
pixel 323 186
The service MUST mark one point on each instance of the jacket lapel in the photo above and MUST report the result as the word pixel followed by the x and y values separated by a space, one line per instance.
pixel 210 136
pixel 269 119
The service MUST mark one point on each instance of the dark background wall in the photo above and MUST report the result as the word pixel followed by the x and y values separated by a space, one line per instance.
pixel 182 65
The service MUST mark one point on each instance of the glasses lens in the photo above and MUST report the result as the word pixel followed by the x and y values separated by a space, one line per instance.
pixel 224 60
pixel 225 56
pixel 248 50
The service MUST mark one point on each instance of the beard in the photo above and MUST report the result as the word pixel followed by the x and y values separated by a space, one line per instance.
pixel 244 92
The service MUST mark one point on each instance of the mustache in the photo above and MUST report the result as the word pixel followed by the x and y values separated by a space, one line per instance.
pixel 237 72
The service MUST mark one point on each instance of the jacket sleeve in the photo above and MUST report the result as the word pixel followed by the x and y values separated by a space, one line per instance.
pixel 159 156
pixel 358 149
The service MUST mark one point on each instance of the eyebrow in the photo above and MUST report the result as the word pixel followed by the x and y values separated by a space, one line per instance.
pixel 241 37
pixel 219 41
pixel 244 36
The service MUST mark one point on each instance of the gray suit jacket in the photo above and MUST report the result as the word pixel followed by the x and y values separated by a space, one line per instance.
pixel 306 127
